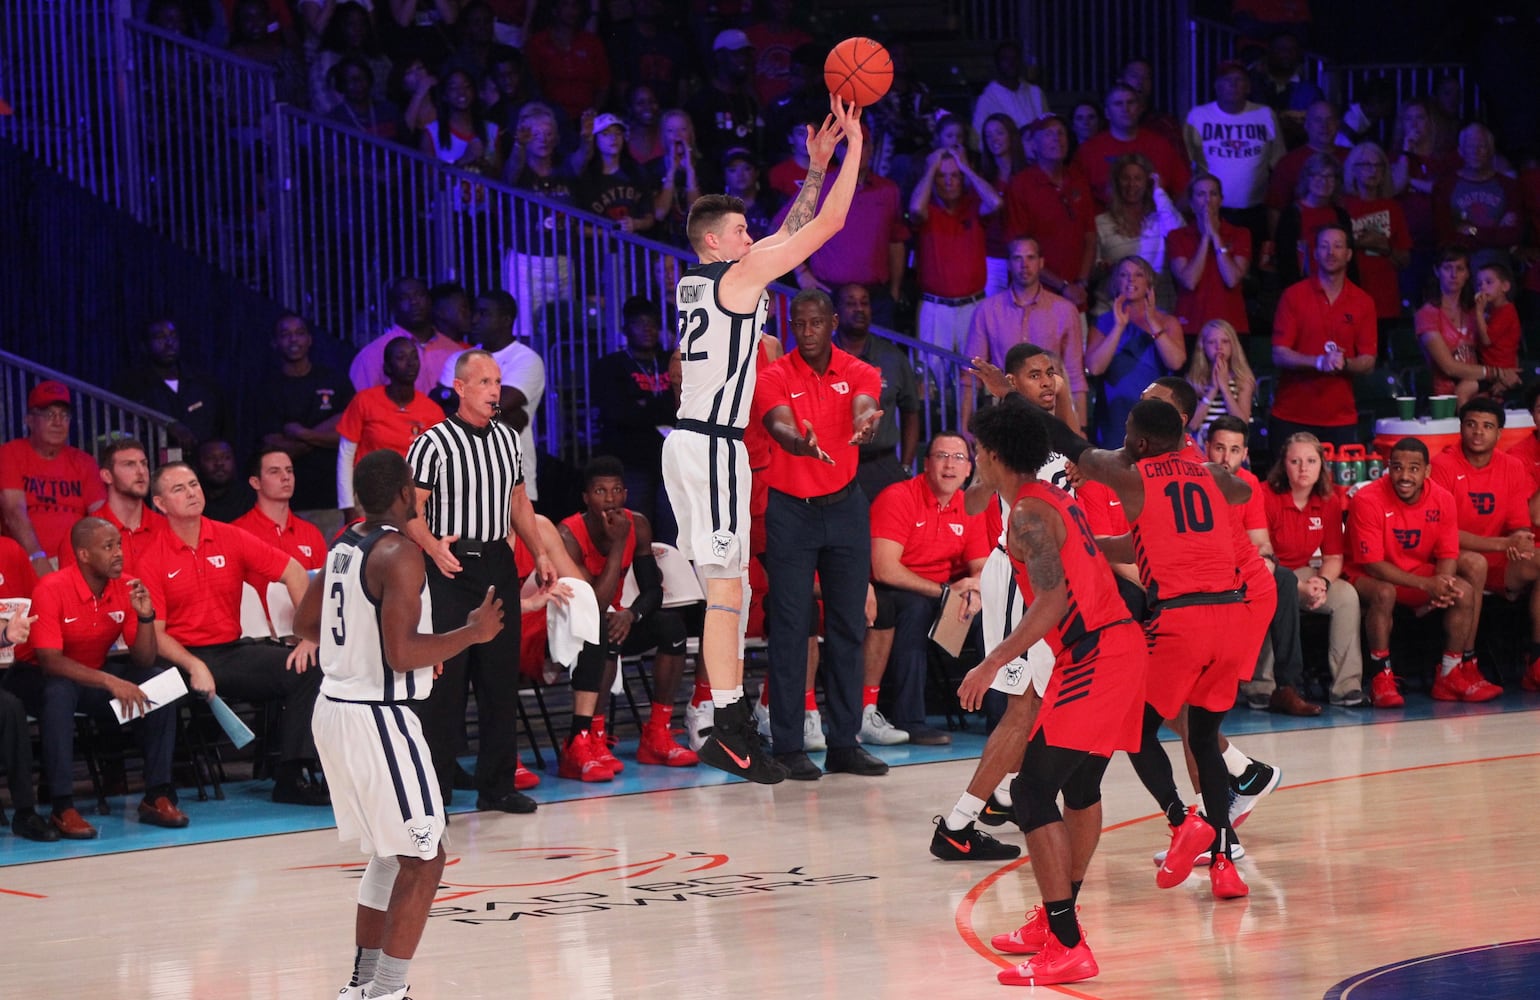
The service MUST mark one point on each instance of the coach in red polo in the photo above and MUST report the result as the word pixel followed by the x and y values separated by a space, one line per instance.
pixel 270 518
pixel 819 404
pixel 125 469
pixel 195 570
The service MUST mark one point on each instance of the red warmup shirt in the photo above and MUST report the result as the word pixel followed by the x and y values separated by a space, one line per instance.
pixel 297 538
pixel 1183 538
pixel 939 542
pixel 76 622
pixel 593 559
pixel 1212 299
pixel 949 257
pixel 1306 322
pixel 1096 154
pixel 1102 508
pixel 1057 216
pixel 59 490
pixel 1298 534
pixel 134 542
pixel 827 401
pixel 1504 332
pixel 17 577
pixel 375 421
pixel 197 591
pixel 1381 528
pixel 1492 501
pixel 1527 452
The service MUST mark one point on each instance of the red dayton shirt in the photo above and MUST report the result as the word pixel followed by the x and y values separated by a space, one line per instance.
pixel 1527 452
pixel 76 622
pixel 297 536
pixel 197 590
pixel 594 560
pixel 949 255
pixel 1382 528
pixel 134 542
pixel 1492 501
pixel 1306 322
pixel 1297 534
pixel 939 541
pixel 1096 155
pixel 827 401
pixel 59 490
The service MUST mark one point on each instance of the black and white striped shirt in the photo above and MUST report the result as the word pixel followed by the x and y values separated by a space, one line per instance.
pixel 471 473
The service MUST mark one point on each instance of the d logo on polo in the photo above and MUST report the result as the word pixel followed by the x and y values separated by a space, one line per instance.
pixel 218 562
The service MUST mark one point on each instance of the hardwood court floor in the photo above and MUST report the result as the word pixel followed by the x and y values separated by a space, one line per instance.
pixel 1385 842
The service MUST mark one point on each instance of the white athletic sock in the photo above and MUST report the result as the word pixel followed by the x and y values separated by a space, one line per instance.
pixel 389 976
pixel 1235 761
pixel 1448 663
pixel 966 811
pixel 723 697
pixel 1003 791
pixel 364 962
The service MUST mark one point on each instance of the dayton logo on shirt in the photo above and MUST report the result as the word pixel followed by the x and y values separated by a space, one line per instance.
pixel 957 529
pixel 1315 524
pixel 218 562
pixel 116 616
pixel 1408 538
pixel 843 388
pixel 1485 503
pixel 305 549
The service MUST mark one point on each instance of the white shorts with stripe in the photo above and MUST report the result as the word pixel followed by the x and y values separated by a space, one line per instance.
pixel 707 479
pixel 1003 610
pixel 384 790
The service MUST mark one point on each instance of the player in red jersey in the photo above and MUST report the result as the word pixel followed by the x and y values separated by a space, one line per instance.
pixel 1404 548
pixel 1094 698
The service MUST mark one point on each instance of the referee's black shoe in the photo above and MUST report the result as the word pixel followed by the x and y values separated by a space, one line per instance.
pixel 969 844
pixel 508 802
pixel 734 747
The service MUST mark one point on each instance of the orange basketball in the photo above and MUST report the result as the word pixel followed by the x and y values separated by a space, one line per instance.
pixel 859 70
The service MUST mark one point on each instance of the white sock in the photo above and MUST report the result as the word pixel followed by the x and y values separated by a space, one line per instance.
pixel 1448 663
pixel 966 811
pixel 723 697
pixel 1235 761
pixel 1003 791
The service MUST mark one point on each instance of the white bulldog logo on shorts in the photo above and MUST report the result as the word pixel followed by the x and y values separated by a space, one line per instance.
pixel 422 836
pixel 720 540
pixel 1013 673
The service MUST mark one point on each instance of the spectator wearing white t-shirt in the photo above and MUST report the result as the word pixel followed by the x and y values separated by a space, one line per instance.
pixel 1008 93
pixel 1239 142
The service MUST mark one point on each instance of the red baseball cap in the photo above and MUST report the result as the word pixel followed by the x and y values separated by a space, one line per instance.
pixel 49 393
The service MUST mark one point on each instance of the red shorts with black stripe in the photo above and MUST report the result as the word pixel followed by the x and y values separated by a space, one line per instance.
pixel 1415 597
pixel 1095 697
pixel 1196 654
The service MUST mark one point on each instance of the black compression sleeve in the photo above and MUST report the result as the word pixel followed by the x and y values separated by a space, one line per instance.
pixel 649 585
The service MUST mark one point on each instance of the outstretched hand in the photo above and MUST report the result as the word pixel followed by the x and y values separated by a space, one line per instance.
pixel 866 427
pixel 995 381
pixel 843 122
pixel 807 444
pixel 487 618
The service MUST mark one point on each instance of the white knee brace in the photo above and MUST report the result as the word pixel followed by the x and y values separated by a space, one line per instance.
pixel 379 879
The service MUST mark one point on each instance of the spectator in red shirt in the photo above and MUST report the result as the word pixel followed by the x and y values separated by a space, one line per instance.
pixel 125 468
pixel 819 405
pixel 1051 202
pixel 1124 135
pixel 270 518
pixel 946 209
pixel 1527 451
pixel 383 416
pixel 1476 207
pixel 1317 202
pixel 195 570
pixel 1403 542
pixel 46 485
pixel 1209 258
pixel 1379 230
pixel 1491 491
pixel 81 612
pixel 1447 329
pixel 568 62
pixel 774 39
pixel 1323 336
pixel 1498 332
pixel 1321 124
pixel 411 316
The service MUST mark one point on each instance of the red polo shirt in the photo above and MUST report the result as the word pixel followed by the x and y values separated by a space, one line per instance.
pixel 197 590
pixel 76 622
pixel 1212 299
pixel 1058 217
pixel 827 400
pixel 1254 511
pixel 134 542
pixel 1306 322
pixel 1381 528
pixel 1492 501
pixel 939 541
pixel 949 254
pixel 1096 154
pixel 1527 452
pixel 297 536
pixel 1297 534
pixel 59 490
pixel 17 577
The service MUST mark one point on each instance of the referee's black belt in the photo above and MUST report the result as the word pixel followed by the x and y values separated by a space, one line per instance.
pixel 966 300
pixel 1202 599
pixel 827 500
pixel 471 548
pixel 710 430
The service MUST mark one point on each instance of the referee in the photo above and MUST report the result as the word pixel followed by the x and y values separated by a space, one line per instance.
pixel 470 492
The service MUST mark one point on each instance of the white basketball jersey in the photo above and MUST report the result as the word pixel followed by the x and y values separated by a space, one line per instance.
pixel 1053 471
pixel 716 349
pixel 352 649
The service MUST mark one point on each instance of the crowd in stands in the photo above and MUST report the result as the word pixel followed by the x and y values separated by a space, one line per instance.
pixel 1265 236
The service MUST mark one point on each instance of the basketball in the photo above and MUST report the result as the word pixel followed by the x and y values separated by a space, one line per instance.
pixel 859 70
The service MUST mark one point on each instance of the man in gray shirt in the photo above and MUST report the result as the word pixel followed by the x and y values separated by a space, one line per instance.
pixel 889 457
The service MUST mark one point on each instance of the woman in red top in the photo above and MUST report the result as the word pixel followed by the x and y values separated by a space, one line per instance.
pixel 1209 258
pixel 1304 519
pixel 1446 328
pixel 1381 241
pixel 1317 202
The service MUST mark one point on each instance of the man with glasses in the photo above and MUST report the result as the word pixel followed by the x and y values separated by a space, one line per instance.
pixel 923 544
pixel 46 485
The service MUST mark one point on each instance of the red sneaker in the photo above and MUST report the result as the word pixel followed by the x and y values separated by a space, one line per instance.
pixel 1464 683
pixel 580 761
pixel 1188 841
pixel 1382 690
pixel 1053 965
pixel 1225 880
pixel 1029 938
pixel 1480 689
pixel 658 747
pixel 604 747
pixel 523 778
pixel 1531 679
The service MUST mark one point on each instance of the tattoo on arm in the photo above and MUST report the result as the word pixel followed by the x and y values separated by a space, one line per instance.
pixel 802 210
pixel 1034 537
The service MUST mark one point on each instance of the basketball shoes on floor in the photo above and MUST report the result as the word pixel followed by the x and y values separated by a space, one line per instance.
pixel 1225 880
pixel 1187 842
pixel 580 760
pixel 1465 683
pixel 969 844
pixel 813 739
pixel 697 723
pixel 523 778
pixel 657 746
pixel 1237 851
pixel 996 813
pixel 1029 938
pixel 734 747
pixel 1253 785
pixel 1382 690
pixel 878 731
pixel 1053 965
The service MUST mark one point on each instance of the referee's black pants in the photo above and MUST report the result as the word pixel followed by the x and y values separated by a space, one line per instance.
pixel 835 542
pixel 493 666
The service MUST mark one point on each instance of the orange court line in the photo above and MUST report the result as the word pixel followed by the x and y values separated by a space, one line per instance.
pixel 24 895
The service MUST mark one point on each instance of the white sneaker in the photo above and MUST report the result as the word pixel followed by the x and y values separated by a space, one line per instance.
pixel 878 731
pixel 398 995
pixel 352 992
pixel 698 720
pixel 762 719
pixel 812 732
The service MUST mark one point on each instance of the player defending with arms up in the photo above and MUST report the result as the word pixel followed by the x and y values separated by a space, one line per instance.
pixel 722 307
pixel 373 593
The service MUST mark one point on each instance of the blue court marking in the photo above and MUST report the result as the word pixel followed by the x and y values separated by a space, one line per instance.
pixel 1506 971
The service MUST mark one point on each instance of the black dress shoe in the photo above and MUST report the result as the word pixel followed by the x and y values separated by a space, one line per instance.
pixel 32 826
pixel 508 802
pixel 927 736
pixel 853 760
pixel 301 793
pixel 464 780
pixel 799 766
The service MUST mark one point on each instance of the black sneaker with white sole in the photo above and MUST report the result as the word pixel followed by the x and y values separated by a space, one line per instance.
pixel 1256 782
pixel 969 844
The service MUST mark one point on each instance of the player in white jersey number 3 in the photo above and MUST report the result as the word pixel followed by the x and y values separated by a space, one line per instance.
pixel 722 308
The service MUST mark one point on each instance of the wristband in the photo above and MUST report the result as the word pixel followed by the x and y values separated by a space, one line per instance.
pixel 39 554
pixel 145 621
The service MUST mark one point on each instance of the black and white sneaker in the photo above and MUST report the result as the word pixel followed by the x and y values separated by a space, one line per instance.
pixel 995 813
pixel 969 844
pixel 734 747
pixel 1257 781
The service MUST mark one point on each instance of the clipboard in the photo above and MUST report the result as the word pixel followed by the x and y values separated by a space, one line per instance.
pixel 946 631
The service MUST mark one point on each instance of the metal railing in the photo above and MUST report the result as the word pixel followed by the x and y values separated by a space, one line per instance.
pixel 1351 81
pixel 1082 44
pixel 100 416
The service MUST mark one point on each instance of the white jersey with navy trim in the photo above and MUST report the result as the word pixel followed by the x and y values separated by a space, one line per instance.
pixel 716 349
pixel 352 653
